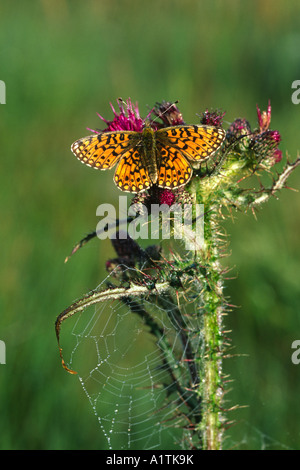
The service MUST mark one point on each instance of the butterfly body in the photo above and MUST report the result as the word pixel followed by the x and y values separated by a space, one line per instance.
pixel 161 157
pixel 149 154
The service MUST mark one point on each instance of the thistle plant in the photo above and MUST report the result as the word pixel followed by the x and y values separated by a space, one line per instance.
pixel 172 280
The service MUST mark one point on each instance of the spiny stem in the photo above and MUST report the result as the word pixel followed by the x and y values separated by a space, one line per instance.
pixel 210 308
pixel 278 184
pixel 211 386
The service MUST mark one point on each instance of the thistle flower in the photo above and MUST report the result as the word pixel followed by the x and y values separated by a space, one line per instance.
pixel 262 141
pixel 265 141
pixel 264 118
pixel 265 145
pixel 212 118
pixel 166 196
pixel 240 132
pixel 156 195
pixel 277 156
pixel 128 119
pixel 168 113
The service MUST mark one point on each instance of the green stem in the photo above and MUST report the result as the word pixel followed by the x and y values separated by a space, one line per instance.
pixel 211 386
pixel 211 306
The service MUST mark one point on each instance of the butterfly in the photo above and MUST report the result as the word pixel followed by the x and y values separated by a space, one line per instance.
pixel 162 157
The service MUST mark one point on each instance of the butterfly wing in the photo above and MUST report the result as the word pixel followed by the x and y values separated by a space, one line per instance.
pixel 174 170
pixel 131 175
pixel 197 143
pixel 102 151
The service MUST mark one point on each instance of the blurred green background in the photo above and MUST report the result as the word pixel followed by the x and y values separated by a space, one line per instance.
pixel 63 61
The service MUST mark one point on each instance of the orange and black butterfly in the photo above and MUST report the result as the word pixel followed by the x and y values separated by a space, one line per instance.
pixel 160 157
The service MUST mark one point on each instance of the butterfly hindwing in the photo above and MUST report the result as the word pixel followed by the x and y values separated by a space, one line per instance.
pixel 102 151
pixel 174 170
pixel 197 142
pixel 130 174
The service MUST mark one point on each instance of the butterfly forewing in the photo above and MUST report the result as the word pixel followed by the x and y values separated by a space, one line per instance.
pixel 102 151
pixel 195 142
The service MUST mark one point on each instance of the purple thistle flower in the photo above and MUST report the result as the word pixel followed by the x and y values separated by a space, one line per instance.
pixel 239 127
pixel 212 118
pixel 239 131
pixel 166 196
pixel 277 156
pixel 264 118
pixel 168 113
pixel 128 119
pixel 275 136
pixel 265 145
pixel 266 141
pixel 156 195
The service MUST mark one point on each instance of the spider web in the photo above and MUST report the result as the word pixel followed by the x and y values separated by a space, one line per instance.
pixel 123 369
pixel 251 438
pixel 133 359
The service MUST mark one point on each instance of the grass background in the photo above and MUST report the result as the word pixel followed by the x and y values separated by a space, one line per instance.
pixel 63 61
